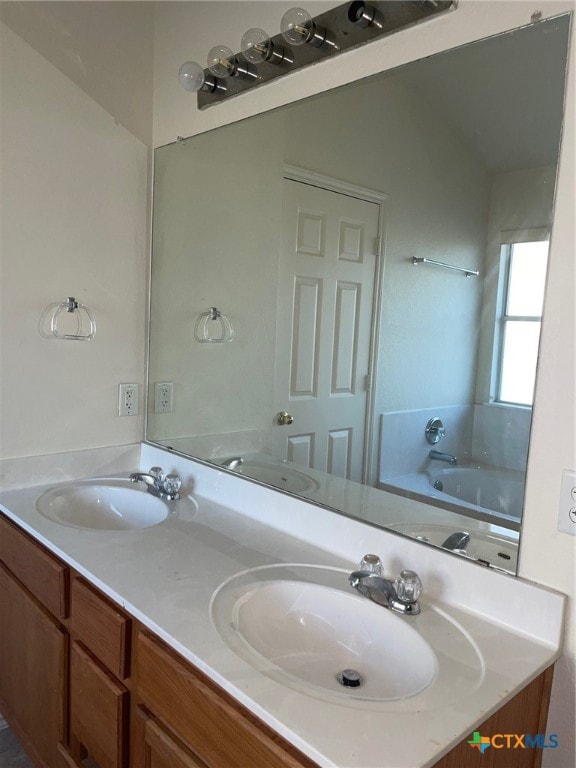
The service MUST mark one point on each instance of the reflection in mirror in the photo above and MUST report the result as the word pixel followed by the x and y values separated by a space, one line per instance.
pixel 378 253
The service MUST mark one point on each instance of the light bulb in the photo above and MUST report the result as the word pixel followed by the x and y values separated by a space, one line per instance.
pixel 296 26
pixel 255 45
pixel 191 76
pixel 221 61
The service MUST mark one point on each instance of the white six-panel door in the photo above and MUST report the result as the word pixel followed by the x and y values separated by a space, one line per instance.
pixel 325 310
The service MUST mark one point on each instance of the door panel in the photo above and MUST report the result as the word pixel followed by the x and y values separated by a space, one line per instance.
pixel 324 327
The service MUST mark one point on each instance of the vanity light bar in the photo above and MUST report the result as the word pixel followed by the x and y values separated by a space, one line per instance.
pixel 347 26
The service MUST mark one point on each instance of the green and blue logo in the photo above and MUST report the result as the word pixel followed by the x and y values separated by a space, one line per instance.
pixel 481 743
pixel 513 741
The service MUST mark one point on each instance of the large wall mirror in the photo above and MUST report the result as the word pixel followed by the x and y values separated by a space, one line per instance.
pixel 347 292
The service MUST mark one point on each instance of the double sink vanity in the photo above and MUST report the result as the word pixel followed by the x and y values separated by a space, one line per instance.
pixel 221 630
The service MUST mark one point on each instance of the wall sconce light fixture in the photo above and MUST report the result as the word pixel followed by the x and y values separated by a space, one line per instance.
pixel 264 58
pixel 193 78
pixel 365 15
pixel 223 63
pixel 257 47
pixel 299 28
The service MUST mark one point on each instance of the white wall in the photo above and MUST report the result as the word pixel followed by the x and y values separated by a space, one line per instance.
pixel 74 197
pixel 217 207
pixel 546 555
pixel 106 48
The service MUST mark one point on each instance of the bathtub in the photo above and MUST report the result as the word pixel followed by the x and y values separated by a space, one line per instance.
pixel 484 493
pixel 489 548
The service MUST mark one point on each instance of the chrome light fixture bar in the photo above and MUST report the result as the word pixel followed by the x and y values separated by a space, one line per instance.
pixel 302 42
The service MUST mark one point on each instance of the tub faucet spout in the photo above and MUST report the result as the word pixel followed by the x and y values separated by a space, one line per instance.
pixel 447 457
pixel 232 463
pixel 457 541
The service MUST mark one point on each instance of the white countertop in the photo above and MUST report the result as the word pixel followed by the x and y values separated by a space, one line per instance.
pixel 166 576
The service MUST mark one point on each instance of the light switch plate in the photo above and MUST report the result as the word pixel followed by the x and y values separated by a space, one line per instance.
pixel 567 509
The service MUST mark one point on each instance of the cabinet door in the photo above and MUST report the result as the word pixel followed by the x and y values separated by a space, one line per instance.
pixel 159 749
pixel 33 660
pixel 98 712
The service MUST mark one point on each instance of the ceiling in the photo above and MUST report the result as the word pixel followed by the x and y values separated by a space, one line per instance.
pixel 505 101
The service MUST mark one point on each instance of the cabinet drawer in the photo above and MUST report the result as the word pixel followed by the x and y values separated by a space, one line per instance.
pixel 98 712
pixel 157 748
pixel 102 627
pixel 219 730
pixel 40 572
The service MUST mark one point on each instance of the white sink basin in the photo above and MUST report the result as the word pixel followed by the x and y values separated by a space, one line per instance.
pixel 501 551
pixel 102 505
pixel 302 625
pixel 314 632
pixel 283 477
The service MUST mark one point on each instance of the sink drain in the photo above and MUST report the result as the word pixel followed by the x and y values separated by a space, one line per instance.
pixel 349 678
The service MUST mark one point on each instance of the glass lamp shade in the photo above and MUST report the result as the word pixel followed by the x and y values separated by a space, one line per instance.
pixel 191 76
pixel 221 61
pixel 255 45
pixel 295 26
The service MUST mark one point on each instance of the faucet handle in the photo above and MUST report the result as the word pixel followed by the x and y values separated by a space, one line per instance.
pixel 408 586
pixel 371 564
pixel 172 483
pixel 157 473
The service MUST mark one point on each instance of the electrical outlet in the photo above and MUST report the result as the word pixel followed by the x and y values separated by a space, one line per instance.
pixel 567 509
pixel 163 397
pixel 127 399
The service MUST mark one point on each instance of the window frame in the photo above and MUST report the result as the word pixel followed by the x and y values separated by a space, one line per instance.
pixel 507 242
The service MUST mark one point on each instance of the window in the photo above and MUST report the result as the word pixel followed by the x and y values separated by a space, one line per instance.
pixel 523 278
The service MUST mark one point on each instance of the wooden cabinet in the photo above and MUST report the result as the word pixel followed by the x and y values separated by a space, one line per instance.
pixel 101 627
pixel 98 712
pixel 99 662
pixel 84 684
pixel 43 575
pixel 527 712
pixel 219 731
pixel 156 747
pixel 33 661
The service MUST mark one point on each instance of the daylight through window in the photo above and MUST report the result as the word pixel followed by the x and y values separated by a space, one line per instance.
pixel 520 320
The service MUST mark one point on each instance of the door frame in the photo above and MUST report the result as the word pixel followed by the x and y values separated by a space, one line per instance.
pixel 332 184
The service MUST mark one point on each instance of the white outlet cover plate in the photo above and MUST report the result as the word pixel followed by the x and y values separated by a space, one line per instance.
pixel 567 508
pixel 127 399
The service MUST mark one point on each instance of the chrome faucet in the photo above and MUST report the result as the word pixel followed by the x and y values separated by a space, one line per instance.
pixel 232 463
pixel 439 456
pixel 457 540
pixel 158 484
pixel 400 595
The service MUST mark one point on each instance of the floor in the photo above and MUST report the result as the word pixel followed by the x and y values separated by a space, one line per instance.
pixel 11 753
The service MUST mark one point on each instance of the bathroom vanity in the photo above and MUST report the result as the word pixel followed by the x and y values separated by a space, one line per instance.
pixel 114 652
